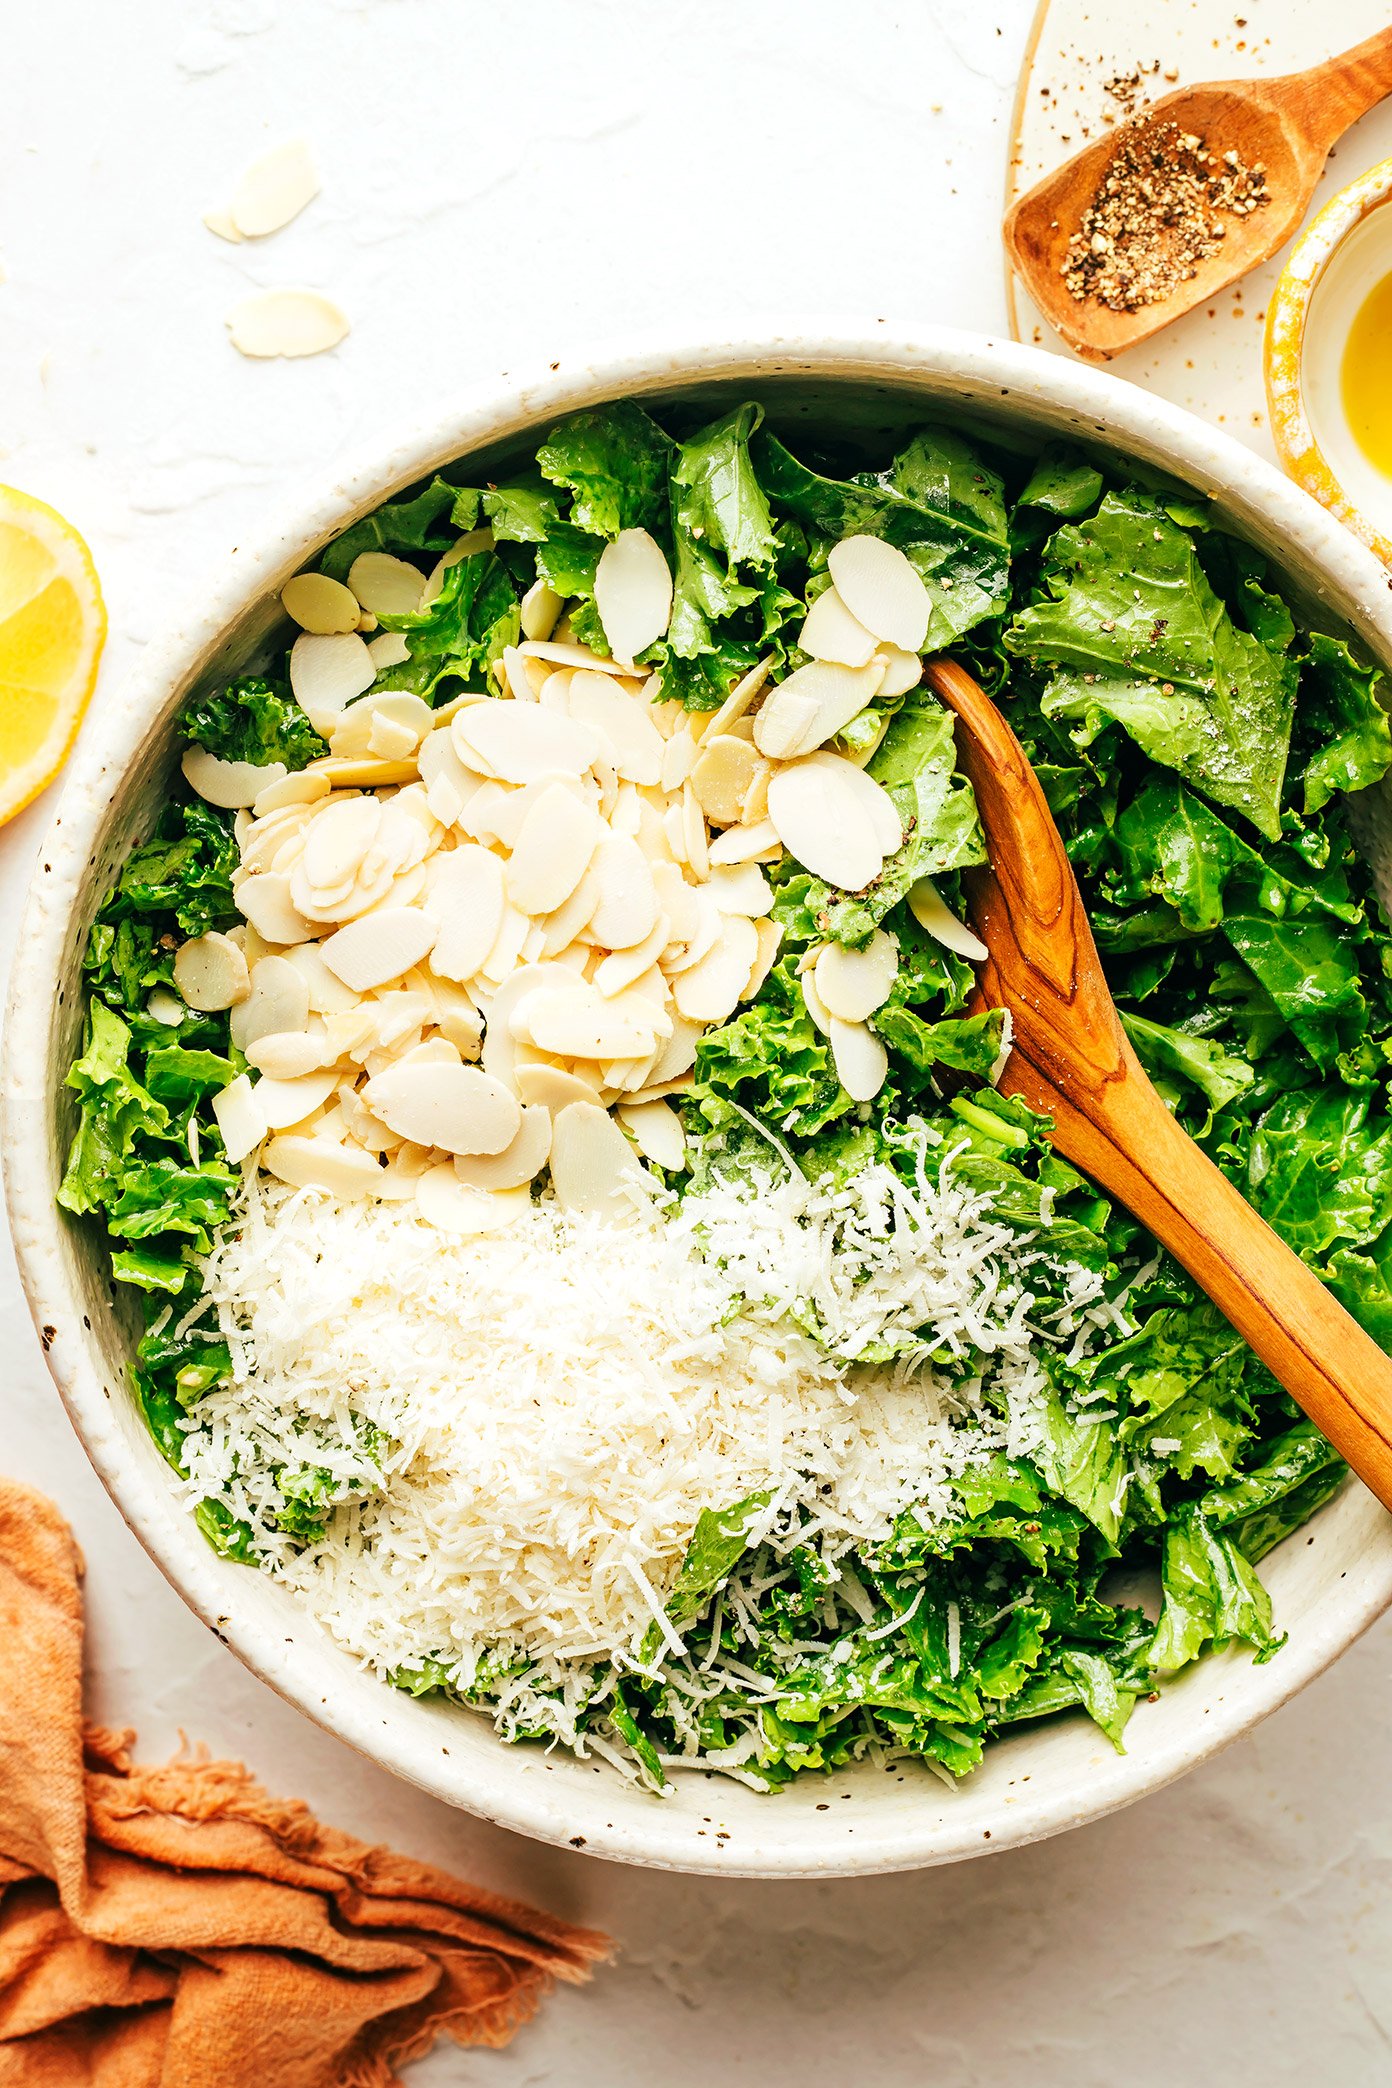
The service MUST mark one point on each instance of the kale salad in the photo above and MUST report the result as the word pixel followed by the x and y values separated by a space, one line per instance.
pixel 533 1096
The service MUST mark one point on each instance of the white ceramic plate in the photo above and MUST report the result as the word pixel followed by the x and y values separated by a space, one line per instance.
pixel 1328 1583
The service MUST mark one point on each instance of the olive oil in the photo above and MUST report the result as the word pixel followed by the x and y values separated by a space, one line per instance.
pixel 1365 377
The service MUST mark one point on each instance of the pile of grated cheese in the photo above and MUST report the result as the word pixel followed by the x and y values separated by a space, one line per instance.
pixel 562 1399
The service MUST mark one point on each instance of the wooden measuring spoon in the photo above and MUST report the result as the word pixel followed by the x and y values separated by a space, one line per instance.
pixel 1287 125
pixel 1070 1057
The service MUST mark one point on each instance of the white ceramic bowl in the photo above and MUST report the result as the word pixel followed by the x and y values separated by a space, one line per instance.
pixel 1328 1584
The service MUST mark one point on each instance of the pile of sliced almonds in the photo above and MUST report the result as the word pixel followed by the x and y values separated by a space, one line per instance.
pixel 472 932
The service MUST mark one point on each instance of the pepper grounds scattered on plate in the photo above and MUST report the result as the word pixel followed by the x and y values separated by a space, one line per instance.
pixel 1157 213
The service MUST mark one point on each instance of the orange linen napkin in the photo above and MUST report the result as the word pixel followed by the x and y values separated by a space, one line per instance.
pixel 177 1928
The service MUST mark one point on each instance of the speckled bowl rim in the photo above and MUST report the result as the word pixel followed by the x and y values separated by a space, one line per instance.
pixel 795 1833
pixel 1283 350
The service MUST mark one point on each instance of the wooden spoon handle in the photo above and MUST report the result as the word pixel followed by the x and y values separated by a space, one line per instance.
pixel 1330 97
pixel 1330 1367
pixel 1071 1059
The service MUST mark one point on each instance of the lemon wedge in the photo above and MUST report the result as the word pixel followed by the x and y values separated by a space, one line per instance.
pixel 52 628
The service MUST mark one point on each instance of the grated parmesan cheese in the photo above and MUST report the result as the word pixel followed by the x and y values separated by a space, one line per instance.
pixel 561 1400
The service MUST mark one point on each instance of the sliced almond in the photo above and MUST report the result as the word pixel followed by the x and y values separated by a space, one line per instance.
pixel 278 1000
pixel 627 909
pixel 678 1055
pixel 723 773
pixel 264 900
pixel 787 720
pixel 830 632
pixel 522 742
pixel 465 896
pixel 324 994
pixel 623 722
pixel 211 973
pixel 876 800
pixel 740 888
pixel 287 1054
pixel 549 1087
pixel 770 936
pixel 461 1109
pixel 823 820
pixel 561 652
pixel 525 678
pixel 499 1045
pixel 880 588
pixel 853 983
pixel 755 807
pixel 678 759
pixel 903 671
pixel 746 844
pixel 336 840
pixel 938 920
pixel 514 933
pixel 553 850
pixel 357 730
pixel 318 1163
pixel 541 606
pixel 518 1162
pixel 695 843
pixel 860 1059
pixel 786 727
pixel 656 1130
pixel 623 968
pixel 301 787
pixel 594 1169
pixel 239 1118
pixel 228 784
pixel 709 991
pixel 348 773
pixel 633 593
pixel 387 586
pixel 379 947
pixel 286 322
pixel 812 1000
pixel 578 1022
pixel 166 1007
pixel 455 1207
pixel 326 673
pixel 320 605
pixel 274 189
pixel 572 919
pixel 739 698
pixel 389 649
pixel 286 1102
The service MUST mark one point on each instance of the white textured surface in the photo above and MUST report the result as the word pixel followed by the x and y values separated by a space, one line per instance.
pixel 694 168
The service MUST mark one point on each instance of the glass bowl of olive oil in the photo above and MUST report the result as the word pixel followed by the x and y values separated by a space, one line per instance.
pixel 1329 358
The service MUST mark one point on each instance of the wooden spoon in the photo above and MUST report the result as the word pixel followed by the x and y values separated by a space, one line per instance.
pixel 1070 1058
pixel 1287 125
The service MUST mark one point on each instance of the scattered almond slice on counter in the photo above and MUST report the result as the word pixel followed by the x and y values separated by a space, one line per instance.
pixel 286 323
pixel 270 192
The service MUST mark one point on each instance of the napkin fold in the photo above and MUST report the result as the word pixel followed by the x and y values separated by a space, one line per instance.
pixel 165 1927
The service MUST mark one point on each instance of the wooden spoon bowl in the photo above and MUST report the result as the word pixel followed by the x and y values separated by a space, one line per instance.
pixel 1071 1060
pixel 1285 125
